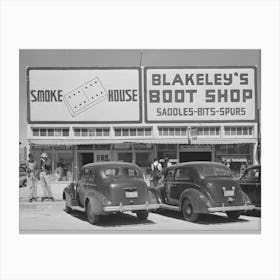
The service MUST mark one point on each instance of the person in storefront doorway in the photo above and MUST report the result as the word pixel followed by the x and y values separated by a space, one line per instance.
pixel 32 173
pixel 156 172
pixel 46 169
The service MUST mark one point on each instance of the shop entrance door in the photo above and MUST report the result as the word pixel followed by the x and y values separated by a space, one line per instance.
pixel 195 156
pixel 86 158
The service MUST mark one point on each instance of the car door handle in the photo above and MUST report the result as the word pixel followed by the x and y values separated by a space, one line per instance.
pixel 90 185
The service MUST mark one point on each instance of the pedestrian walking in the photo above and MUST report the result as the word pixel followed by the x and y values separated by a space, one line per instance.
pixel 32 174
pixel 46 169
pixel 156 172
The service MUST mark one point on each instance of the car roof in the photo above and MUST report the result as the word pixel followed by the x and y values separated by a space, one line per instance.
pixel 196 164
pixel 109 164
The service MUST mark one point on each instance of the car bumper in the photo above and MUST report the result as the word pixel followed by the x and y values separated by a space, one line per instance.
pixel 231 208
pixel 124 208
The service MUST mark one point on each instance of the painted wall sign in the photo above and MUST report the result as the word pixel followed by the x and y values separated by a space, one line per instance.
pixel 84 95
pixel 208 94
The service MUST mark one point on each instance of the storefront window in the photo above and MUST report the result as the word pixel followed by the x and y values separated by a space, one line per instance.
pixel 165 132
pixel 232 149
pixel 43 132
pixel 84 132
pixel 125 156
pixel 177 131
pixel 99 132
pixel 183 131
pixel 239 130
pixel 133 132
pixel 140 132
pixel 125 132
pixel 35 131
pixel 63 166
pixel 57 132
pixel 148 132
pixel 91 132
pixel 77 132
pixel 171 131
pixel 65 132
pixel 143 159
pixel 106 132
pixel 244 149
pixel 118 132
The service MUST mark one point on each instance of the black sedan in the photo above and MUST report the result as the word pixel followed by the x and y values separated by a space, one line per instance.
pixel 250 183
pixel 202 187
pixel 110 187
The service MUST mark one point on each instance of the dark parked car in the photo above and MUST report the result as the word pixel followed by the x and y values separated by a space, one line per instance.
pixel 22 176
pixel 110 187
pixel 202 187
pixel 250 183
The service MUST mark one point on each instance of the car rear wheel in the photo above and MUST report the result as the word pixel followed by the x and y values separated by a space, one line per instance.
pixel 188 213
pixel 92 218
pixel 142 215
pixel 234 215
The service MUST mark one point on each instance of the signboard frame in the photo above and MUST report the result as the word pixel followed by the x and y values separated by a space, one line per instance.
pixel 254 67
pixel 29 121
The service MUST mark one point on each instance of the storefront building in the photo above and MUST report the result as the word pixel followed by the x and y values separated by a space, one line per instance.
pixel 136 114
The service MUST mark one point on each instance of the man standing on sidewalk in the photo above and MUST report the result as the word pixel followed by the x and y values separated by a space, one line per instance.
pixel 156 172
pixel 46 170
pixel 32 173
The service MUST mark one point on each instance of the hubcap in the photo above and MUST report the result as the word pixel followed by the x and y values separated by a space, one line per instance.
pixel 188 210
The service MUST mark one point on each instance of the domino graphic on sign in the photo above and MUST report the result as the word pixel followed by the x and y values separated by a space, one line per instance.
pixel 84 97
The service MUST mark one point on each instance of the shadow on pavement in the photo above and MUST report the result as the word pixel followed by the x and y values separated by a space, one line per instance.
pixel 205 219
pixel 112 220
pixel 254 213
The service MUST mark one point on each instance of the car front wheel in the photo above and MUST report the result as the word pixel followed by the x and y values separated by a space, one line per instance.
pixel 234 215
pixel 142 215
pixel 188 212
pixel 92 218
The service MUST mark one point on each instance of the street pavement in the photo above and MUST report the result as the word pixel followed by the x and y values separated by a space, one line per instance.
pixel 50 217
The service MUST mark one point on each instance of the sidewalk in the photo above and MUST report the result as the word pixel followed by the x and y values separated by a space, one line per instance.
pixel 57 189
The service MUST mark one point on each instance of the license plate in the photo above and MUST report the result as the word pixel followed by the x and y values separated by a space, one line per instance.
pixel 228 192
pixel 131 194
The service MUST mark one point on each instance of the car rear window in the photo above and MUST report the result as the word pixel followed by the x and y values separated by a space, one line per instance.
pixel 124 171
pixel 216 171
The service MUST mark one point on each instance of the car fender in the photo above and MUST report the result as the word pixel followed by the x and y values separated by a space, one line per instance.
pixel 154 196
pixel 97 201
pixel 199 201
pixel 246 198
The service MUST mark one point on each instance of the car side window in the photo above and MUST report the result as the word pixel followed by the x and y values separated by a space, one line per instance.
pixel 85 175
pixel 169 175
pixel 91 176
pixel 251 174
pixel 183 174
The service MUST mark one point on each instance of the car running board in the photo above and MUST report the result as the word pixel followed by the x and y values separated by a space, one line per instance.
pixel 169 207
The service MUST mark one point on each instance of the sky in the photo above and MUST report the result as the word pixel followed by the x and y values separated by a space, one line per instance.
pixel 125 58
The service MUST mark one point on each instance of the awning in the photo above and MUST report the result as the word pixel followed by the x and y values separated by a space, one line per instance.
pixel 70 142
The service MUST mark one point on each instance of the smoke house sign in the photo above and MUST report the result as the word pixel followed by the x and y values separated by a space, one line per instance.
pixel 84 95
pixel 200 94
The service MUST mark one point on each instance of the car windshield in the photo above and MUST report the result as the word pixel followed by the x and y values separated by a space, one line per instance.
pixel 122 171
pixel 215 171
